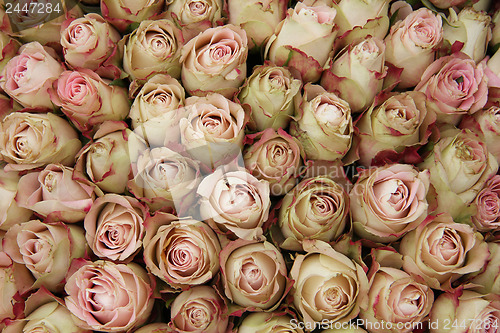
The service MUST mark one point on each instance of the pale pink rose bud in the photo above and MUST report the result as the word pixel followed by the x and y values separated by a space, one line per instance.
pixel 27 76
pixel 235 203
pixel 304 39
pixel 270 92
pixel 46 249
pixel 90 42
pixel 460 165
pixel 10 212
pixel 109 297
pixel 389 201
pixel 114 227
pixel 471 311
pixel 397 300
pixel 195 16
pixel 439 251
pixel 199 309
pixel 106 162
pixel 274 156
pixel 212 131
pixel 412 43
pixel 329 287
pixel 9 47
pixel 32 140
pixel 402 121
pixel 258 18
pixel 269 322
pixel 153 48
pixel 357 74
pixel 323 124
pixel 317 208
pixel 254 275
pixel 215 61
pixel 456 85
pixel 471 27
pixel 53 194
pixel 123 13
pixel 183 252
pixel 488 206
pixel 487 281
pixel 88 100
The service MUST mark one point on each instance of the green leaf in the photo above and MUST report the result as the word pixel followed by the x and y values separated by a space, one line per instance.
pixel 393 18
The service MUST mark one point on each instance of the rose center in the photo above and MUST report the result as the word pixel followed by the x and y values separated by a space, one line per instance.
pixel 79 35
pixel 253 275
pixel 198 8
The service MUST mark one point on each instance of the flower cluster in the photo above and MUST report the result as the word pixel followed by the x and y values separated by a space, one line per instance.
pixel 241 166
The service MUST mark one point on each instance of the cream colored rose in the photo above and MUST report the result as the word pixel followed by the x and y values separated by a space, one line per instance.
pixel 317 208
pixel 412 43
pixel 270 92
pixel 439 251
pixel 495 35
pixel 487 281
pixel 323 124
pixel 328 286
pixel 9 47
pixel 153 48
pixel 268 322
pixel 122 13
pixel 235 202
pixel 32 140
pixel 254 274
pixel 10 212
pixel 215 61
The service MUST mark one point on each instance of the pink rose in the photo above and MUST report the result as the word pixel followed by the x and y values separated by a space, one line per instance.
pixel 199 310
pixel 55 195
pixel 114 227
pixel 109 297
pixel 122 13
pixel 88 100
pixel 90 42
pixel 488 206
pixel 27 76
pixel 46 249
pixel 456 85
pixel 215 61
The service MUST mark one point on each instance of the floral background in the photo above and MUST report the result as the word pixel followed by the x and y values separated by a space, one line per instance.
pixel 249 166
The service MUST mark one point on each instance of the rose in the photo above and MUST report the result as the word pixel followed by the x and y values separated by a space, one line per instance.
pixel 199 309
pixel 487 281
pixel 447 3
pixel 154 328
pixel 53 194
pixel 317 208
pixel 486 124
pixel 88 100
pixel 153 48
pixel 475 312
pixel 411 44
pixel 323 124
pixel 254 275
pixel 270 92
pixel 215 61
pixel 235 203
pixel 106 162
pixel 122 13
pixel 27 76
pixel 194 16
pixel 10 212
pixel 9 47
pixel 495 35
pixel 109 297
pixel 401 121
pixel 213 130
pixel 32 140
pixel 46 249
pixel 274 156
pixel 329 287
pixel 439 251
pixel 304 39
pixel 472 28
pixel 164 178
pixel 183 252
pixel 460 165
pixel 348 329
pixel 90 42
pixel 268 322
pixel 114 227
pixel 357 74
pixel 395 297
pixel 488 206
pixel 259 19
pixel 389 201
pixel 456 85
